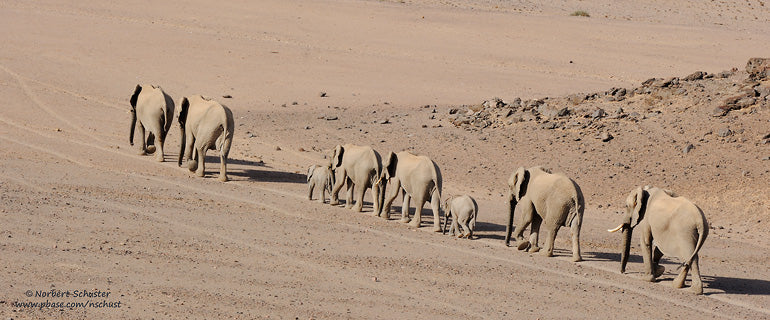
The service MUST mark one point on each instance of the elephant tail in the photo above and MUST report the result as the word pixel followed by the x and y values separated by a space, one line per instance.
pixel 437 179
pixel 703 231
pixel 228 129
pixel 578 205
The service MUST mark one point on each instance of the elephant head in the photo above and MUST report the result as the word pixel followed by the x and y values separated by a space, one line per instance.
pixel 388 171
pixel 185 107
pixel 636 207
pixel 517 188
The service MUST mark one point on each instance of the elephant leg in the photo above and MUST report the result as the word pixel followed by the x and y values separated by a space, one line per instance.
pixel 349 187
pixel 156 129
pixel 657 268
pixel 335 195
pixel 222 166
pixel 453 226
pixel 466 230
pixel 201 150
pixel 534 234
pixel 405 207
pixel 359 193
pixel 389 199
pixel 679 281
pixel 526 218
pixel 552 231
pixel 376 198
pixel 574 230
pixel 646 242
pixel 191 154
pixel 435 205
pixel 324 189
pixel 143 152
pixel 697 284
pixel 419 202
pixel 310 187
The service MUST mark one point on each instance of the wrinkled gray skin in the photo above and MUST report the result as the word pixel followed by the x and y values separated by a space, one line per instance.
pixel 463 210
pixel 154 110
pixel 419 178
pixel 205 125
pixel 359 167
pixel 670 225
pixel 321 177
pixel 543 198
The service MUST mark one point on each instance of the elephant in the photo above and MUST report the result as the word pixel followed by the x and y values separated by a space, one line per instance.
pixel 205 124
pixel 155 111
pixel 670 225
pixel 359 167
pixel 322 177
pixel 543 197
pixel 464 211
pixel 417 177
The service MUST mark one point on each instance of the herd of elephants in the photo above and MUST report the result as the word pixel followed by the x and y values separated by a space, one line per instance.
pixel 541 198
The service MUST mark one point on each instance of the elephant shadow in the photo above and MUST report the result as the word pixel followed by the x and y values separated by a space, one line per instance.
pixel 732 285
pixel 488 230
pixel 605 256
pixel 255 174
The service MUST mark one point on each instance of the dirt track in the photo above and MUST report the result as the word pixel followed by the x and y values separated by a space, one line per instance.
pixel 81 210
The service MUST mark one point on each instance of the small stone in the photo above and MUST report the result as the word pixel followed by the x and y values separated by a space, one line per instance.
pixel 322 94
pixel 307 127
pixel 724 132
pixel 765 158
pixel 688 148
pixel 294 103
pixel 697 75
pixel 385 121
pixel 277 148
pixel 606 136
pixel 599 113
pixel 227 96
pixel 301 149
pixel 454 110
pixel 330 118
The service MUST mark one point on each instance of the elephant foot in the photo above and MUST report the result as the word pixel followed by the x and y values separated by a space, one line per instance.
pixel 577 258
pixel 547 253
pixel 150 149
pixel 437 229
pixel 534 249
pixel 523 245
pixel 159 159
pixel 222 178
pixel 659 271
pixel 697 289
pixel 414 224
pixel 192 165
pixel 334 202
pixel 405 220
pixel 358 208
pixel 651 278
pixel 142 153
pixel 200 173
pixel 348 206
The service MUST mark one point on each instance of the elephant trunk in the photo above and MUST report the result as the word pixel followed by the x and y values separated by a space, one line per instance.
pixel 381 198
pixel 627 231
pixel 181 148
pixel 509 225
pixel 133 126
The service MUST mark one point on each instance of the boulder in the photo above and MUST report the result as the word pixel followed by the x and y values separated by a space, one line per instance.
pixel 758 68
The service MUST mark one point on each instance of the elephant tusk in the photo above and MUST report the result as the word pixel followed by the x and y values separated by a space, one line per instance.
pixel 378 181
pixel 616 229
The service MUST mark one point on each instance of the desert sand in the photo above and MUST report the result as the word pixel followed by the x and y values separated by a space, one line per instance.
pixel 81 210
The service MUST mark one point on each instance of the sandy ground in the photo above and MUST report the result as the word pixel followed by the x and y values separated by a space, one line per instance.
pixel 80 210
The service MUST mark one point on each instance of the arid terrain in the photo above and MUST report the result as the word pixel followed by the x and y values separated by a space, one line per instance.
pixel 480 86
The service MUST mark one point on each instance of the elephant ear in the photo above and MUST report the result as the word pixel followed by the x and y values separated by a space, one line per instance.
pixel 337 157
pixel 310 172
pixel 519 182
pixel 637 203
pixel 135 96
pixel 391 164
pixel 185 106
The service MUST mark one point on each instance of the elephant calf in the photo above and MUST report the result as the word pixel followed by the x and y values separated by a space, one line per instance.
pixel 322 177
pixel 463 210
pixel 154 110
pixel 670 225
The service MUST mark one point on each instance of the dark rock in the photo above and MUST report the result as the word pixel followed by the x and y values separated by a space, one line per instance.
pixel 552 112
pixel 635 116
pixel 606 136
pixel 758 68
pixel 576 99
pixel 550 125
pixel 725 132
pixel 385 121
pixel 322 94
pixel 330 118
pixel 648 82
pixel 697 75
pixel 453 110
pixel 687 148
pixel 599 113
pixel 762 91
pixel 227 96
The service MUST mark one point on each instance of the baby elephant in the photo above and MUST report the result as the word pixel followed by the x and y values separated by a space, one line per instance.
pixel 463 210
pixel 322 177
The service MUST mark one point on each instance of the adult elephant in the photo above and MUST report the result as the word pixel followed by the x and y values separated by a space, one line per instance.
pixel 359 166
pixel 670 225
pixel 155 111
pixel 419 178
pixel 205 125
pixel 542 197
